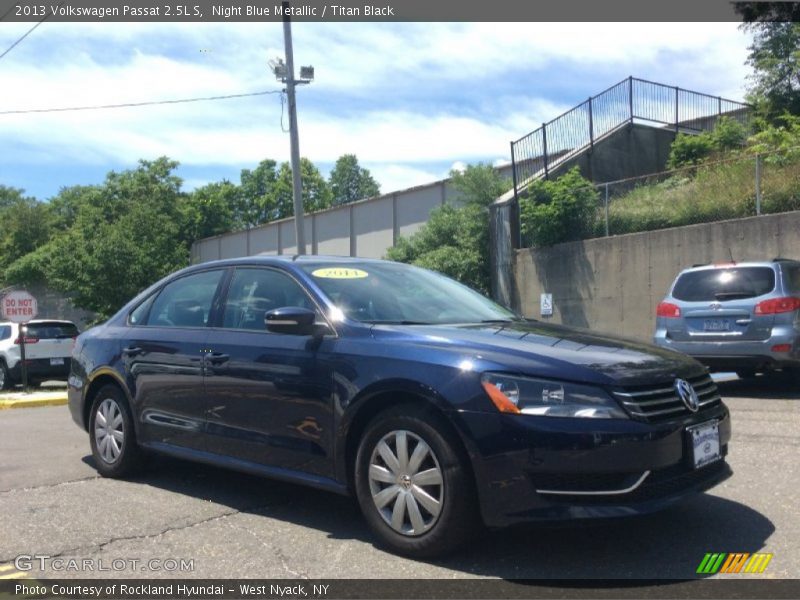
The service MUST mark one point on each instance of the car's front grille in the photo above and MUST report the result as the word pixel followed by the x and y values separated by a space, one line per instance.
pixel 661 402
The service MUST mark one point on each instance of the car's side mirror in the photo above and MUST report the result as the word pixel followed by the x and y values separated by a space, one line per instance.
pixel 291 320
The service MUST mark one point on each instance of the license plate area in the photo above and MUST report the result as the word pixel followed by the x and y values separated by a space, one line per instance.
pixel 716 325
pixel 56 362
pixel 704 443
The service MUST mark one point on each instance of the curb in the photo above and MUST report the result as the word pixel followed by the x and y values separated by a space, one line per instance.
pixel 57 399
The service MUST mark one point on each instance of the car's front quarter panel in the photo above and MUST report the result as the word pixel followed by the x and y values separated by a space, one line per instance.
pixel 96 353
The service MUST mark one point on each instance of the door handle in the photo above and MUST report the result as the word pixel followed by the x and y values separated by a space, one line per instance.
pixel 132 351
pixel 216 358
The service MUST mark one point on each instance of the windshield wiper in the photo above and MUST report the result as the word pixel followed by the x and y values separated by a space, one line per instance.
pixel 501 321
pixel 729 295
pixel 389 322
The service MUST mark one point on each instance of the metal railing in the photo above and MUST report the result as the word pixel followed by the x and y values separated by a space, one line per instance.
pixel 632 100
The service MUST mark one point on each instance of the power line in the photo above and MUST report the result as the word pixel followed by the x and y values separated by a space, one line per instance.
pixel 27 33
pixel 137 104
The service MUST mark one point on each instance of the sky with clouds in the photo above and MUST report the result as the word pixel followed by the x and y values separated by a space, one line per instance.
pixel 410 100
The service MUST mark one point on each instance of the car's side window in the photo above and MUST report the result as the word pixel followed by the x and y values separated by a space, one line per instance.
pixel 255 291
pixel 5 332
pixel 139 314
pixel 794 278
pixel 185 302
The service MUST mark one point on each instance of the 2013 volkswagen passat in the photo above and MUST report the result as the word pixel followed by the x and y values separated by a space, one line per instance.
pixel 436 407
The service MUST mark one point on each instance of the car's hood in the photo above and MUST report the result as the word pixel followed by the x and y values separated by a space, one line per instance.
pixel 545 349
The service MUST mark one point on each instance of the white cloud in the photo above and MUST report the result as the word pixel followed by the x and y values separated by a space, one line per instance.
pixel 401 73
pixel 397 177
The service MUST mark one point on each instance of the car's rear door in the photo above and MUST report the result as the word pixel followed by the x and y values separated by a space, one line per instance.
pixel 163 356
pixel 718 304
pixel 270 394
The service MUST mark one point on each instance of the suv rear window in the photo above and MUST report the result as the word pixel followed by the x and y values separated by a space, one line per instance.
pixel 52 331
pixel 724 284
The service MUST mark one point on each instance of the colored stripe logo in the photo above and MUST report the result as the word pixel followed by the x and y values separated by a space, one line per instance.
pixel 734 562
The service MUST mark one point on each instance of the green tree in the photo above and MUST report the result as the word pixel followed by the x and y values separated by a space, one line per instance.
pixel 350 182
pixel 26 225
pixel 316 193
pixel 559 210
pixel 10 196
pixel 256 200
pixel 210 210
pixel 775 59
pixel 479 184
pixel 455 240
pixel 125 235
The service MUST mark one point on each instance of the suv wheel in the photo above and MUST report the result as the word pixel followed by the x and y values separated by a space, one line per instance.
pixel 413 487
pixel 111 434
pixel 5 378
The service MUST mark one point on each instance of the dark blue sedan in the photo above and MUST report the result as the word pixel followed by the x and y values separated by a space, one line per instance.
pixel 437 408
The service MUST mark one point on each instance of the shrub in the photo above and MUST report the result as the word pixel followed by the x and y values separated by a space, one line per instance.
pixel 559 210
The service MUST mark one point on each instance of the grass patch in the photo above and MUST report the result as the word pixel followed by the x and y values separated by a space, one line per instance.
pixel 702 195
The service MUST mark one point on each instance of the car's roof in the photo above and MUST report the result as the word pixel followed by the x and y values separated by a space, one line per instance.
pixel 272 259
pixel 735 264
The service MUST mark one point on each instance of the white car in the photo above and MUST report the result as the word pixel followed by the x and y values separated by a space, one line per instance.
pixel 48 345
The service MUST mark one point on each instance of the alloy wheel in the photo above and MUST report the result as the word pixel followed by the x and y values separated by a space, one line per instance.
pixel 406 482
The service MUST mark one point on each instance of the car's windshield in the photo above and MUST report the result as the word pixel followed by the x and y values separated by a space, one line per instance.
pixel 401 294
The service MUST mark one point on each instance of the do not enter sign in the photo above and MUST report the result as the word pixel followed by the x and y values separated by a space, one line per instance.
pixel 19 307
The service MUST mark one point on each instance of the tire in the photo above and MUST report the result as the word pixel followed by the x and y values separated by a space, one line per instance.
pixel 120 456
pixel 436 517
pixel 5 377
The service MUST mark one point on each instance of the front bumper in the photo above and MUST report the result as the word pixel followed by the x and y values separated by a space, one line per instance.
pixel 526 466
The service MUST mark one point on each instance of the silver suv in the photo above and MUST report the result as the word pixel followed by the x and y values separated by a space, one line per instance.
pixel 742 317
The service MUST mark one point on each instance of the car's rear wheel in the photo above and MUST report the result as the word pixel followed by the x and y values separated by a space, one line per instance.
pixel 5 378
pixel 413 485
pixel 111 433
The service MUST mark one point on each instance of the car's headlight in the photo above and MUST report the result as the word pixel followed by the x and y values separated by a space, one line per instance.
pixel 523 395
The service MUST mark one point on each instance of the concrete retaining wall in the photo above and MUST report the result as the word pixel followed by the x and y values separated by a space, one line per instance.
pixel 614 284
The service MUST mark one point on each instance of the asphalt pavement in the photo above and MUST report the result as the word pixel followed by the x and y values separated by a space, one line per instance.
pixel 204 522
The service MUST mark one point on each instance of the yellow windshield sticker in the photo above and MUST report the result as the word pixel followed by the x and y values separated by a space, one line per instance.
pixel 340 273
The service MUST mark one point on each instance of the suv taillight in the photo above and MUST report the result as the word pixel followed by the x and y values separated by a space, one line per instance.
pixel 669 310
pixel 777 305
pixel 18 341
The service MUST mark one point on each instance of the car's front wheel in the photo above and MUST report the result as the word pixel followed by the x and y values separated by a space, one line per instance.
pixel 111 434
pixel 413 485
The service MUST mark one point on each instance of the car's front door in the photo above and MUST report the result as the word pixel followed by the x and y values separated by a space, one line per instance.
pixel 163 357
pixel 270 394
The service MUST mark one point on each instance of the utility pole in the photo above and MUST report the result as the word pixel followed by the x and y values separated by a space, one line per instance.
pixel 285 72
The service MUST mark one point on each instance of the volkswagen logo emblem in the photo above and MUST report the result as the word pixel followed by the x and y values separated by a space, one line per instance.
pixel 687 394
